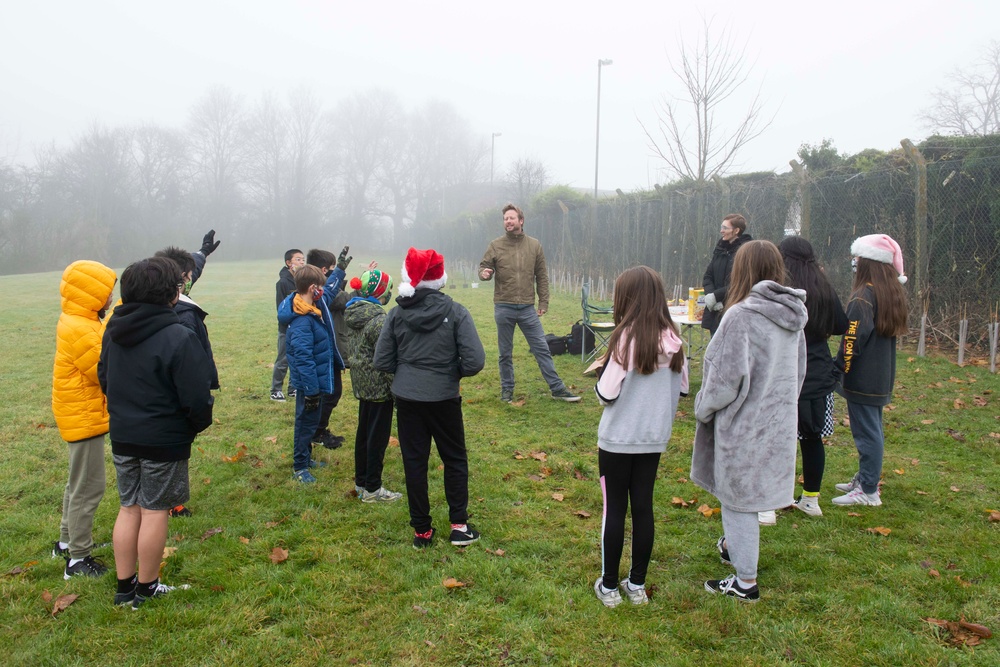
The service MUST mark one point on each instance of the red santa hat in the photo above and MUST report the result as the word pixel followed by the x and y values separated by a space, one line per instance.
pixel 880 248
pixel 422 268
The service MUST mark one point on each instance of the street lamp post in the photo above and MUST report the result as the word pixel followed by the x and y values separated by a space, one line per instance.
pixel 597 142
pixel 493 142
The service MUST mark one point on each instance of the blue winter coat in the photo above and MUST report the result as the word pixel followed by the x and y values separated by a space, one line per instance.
pixel 311 343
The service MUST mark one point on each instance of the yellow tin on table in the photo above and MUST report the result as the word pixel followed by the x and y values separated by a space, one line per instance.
pixel 696 304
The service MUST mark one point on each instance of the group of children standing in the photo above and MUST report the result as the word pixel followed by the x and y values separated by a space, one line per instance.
pixel 766 377
pixel 146 377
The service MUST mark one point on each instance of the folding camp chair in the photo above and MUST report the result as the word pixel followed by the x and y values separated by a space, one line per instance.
pixel 598 323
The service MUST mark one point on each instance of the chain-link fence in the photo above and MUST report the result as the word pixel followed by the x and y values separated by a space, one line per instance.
pixel 941 203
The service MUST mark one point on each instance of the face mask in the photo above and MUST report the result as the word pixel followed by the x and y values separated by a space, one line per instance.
pixel 854 264
pixel 317 293
pixel 187 288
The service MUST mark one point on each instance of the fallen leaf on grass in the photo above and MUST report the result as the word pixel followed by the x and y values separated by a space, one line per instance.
pixel 272 439
pixel 889 408
pixel 879 530
pixel 244 540
pixel 211 531
pixel 452 582
pixel 956 380
pixel 46 596
pixel 21 569
pixel 899 471
pixel 959 404
pixel 962 633
pixel 853 514
pixel 519 456
pixel 682 480
pixel 558 496
pixel 678 502
pixel 206 481
pixel 168 552
pixel 539 456
pixel 583 514
pixel 393 441
pixel 62 602
pixel 420 610
pixel 707 511
pixel 933 573
pixel 545 471
pixel 962 582
pixel 241 451
pixel 994 516
pixel 579 475
pixel 518 404
pixel 272 524
pixel 954 488
pixel 955 434
pixel 536 478
pixel 279 555
pixel 429 643
pixel 927 422
pixel 922 493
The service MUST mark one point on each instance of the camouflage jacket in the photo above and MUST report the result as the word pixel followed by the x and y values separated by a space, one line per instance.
pixel 364 320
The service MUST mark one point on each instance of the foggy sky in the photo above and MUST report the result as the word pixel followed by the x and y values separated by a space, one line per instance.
pixel 855 72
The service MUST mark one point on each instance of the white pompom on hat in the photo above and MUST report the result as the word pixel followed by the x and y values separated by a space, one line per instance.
pixel 880 248
pixel 422 268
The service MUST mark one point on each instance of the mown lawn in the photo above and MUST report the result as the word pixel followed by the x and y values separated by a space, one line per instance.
pixel 354 592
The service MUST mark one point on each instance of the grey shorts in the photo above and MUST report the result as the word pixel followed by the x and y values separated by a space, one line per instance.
pixel 152 485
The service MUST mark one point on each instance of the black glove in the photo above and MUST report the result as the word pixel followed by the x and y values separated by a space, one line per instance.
pixel 344 259
pixel 312 403
pixel 209 244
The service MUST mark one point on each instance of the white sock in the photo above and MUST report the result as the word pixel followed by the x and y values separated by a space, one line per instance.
pixel 633 587
pixel 63 545
pixel 74 561
pixel 745 584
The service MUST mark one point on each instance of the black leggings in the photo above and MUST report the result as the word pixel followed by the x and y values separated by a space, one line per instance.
pixel 812 413
pixel 625 476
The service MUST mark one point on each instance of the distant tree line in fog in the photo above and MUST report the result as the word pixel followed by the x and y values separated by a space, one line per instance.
pixel 267 175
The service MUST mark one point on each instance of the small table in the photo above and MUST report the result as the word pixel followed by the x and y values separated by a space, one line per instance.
pixel 689 329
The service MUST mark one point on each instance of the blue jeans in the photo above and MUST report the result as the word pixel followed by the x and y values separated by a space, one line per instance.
pixel 306 422
pixel 523 315
pixel 866 427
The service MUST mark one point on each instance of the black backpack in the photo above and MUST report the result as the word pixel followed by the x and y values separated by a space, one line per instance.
pixel 557 344
pixel 580 339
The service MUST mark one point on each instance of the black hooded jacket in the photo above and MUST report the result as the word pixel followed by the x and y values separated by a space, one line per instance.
pixel 716 278
pixel 157 379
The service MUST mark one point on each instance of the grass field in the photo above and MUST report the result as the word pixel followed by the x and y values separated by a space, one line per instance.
pixel 354 592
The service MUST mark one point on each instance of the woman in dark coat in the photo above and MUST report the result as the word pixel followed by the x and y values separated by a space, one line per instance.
pixel 716 279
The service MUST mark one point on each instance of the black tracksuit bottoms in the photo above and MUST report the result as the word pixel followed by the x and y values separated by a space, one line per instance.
pixel 417 422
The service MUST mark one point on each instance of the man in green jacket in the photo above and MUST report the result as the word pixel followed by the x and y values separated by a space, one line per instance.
pixel 518 262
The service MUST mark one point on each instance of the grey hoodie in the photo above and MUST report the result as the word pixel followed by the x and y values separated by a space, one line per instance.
pixel 429 342
pixel 744 445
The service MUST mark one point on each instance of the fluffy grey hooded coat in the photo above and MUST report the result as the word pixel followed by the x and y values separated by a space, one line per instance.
pixel 747 409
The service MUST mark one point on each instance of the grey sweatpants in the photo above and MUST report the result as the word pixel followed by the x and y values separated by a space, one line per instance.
pixel 84 490
pixel 742 533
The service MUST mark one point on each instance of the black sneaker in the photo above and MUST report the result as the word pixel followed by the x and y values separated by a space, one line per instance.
pixel 58 551
pixel 278 396
pixel 729 586
pixel 463 538
pixel 158 592
pixel 723 551
pixel 180 510
pixel 422 541
pixel 88 567
pixel 291 393
pixel 331 441
pixel 122 599
pixel 565 394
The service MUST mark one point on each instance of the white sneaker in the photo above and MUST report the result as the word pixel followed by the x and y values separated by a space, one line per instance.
pixel 768 518
pixel 809 505
pixel 858 497
pixel 610 598
pixel 382 495
pixel 847 487
pixel 635 595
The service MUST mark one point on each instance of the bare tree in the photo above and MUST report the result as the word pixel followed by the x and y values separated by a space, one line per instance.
pixel 971 106
pixel 689 137
pixel 217 134
pixel 525 178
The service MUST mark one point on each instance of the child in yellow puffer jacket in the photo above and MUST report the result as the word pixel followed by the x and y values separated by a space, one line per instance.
pixel 80 409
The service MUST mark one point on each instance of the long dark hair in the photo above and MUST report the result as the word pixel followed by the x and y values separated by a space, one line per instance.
pixel 890 297
pixel 804 273
pixel 641 315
